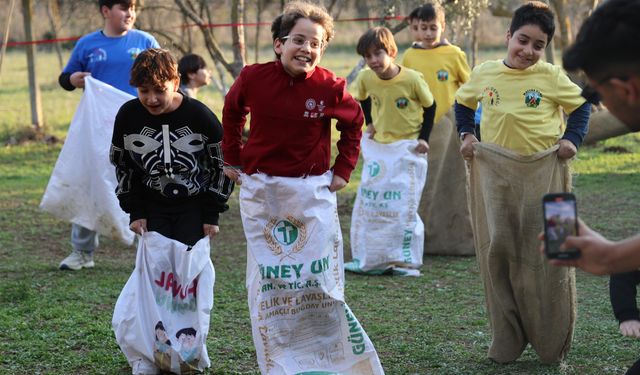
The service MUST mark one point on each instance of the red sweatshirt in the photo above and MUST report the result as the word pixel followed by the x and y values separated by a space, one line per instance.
pixel 290 129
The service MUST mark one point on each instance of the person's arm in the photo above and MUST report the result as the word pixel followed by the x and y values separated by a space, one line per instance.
pixel 368 120
pixel 577 126
pixel 428 114
pixel 349 118
pixel 600 256
pixel 622 293
pixel 220 185
pixel 65 81
pixel 128 190
pixel 466 128
pixel 366 110
pixel 234 117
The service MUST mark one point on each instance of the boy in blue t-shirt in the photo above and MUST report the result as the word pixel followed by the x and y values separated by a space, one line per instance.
pixel 107 55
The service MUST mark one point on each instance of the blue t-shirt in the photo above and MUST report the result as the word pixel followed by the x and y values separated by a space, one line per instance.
pixel 110 59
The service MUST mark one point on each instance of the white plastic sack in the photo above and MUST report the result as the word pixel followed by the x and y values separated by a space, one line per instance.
pixel 161 318
pixel 295 280
pixel 387 233
pixel 83 182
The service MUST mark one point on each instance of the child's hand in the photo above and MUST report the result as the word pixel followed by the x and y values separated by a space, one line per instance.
pixel 567 149
pixel 233 174
pixel 467 146
pixel 630 328
pixel 371 130
pixel 77 79
pixel 337 183
pixel 139 226
pixel 210 230
pixel 422 147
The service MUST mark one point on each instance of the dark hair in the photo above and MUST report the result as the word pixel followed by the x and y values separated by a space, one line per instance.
pixel 190 63
pixel 154 67
pixel 534 13
pixel 607 41
pixel 293 11
pixel 379 38
pixel 429 12
pixel 186 331
pixel 110 3
pixel 159 325
pixel 414 14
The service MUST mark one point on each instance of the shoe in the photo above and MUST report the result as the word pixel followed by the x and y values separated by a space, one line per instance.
pixel 77 260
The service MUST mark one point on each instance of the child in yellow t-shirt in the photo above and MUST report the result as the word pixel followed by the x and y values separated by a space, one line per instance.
pixel 443 65
pixel 528 301
pixel 397 102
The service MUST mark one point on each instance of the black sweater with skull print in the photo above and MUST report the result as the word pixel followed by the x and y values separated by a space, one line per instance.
pixel 164 161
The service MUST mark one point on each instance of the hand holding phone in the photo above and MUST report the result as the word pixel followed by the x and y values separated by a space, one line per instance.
pixel 560 221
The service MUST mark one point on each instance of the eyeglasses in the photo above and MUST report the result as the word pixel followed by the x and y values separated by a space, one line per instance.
pixel 592 95
pixel 300 41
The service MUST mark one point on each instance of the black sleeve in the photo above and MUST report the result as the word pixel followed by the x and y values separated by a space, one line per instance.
pixel 465 119
pixel 129 189
pixel 428 115
pixel 366 109
pixel 622 291
pixel 65 81
pixel 220 186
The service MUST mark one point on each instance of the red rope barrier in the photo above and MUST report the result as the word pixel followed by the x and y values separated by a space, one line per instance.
pixel 214 25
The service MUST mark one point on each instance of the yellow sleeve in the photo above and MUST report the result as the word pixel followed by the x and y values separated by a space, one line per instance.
pixel 360 93
pixel 567 94
pixel 468 94
pixel 425 97
pixel 463 68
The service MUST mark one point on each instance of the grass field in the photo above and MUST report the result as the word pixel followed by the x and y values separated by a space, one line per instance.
pixel 54 322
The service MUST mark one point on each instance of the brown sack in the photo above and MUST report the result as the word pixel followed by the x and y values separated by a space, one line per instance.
pixel 528 300
pixel 443 206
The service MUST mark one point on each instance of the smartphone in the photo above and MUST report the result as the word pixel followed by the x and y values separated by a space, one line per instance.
pixel 560 221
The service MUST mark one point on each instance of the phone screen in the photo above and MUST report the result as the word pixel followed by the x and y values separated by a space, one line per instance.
pixel 560 221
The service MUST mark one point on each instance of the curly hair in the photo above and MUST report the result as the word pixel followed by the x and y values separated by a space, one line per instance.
pixel 153 67
pixel 284 23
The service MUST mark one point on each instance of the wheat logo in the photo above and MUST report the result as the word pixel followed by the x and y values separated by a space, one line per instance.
pixel 285 236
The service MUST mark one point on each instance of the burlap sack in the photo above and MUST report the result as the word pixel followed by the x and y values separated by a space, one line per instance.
pixel 528 300
pixel 443 205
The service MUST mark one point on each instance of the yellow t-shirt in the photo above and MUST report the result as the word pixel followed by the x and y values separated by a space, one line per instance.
pixel 396 103
pixel 444 68
pixel 521 109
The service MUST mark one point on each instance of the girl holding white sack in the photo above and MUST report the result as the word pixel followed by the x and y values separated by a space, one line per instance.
pixel 295 276
pixel 387 234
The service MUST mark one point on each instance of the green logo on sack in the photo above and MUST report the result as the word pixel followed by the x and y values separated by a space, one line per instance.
pixel 374 168
pixel 285 232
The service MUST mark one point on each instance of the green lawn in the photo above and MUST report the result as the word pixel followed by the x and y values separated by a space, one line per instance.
pixel 54 322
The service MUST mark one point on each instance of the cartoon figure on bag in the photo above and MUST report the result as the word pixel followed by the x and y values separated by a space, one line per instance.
pixel 189 353
pixel 162 348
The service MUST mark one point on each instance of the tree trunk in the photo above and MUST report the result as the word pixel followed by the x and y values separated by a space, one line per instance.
pixel 5 38
pixel 34 88
pixel 256 47
pixel 209 39
pixel 564 22
pixel 53 12
pixel 237 34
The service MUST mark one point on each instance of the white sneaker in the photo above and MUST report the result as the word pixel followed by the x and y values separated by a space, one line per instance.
pixel 77 260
